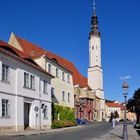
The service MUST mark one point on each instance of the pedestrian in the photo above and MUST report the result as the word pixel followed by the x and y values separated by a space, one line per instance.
pixel 113 122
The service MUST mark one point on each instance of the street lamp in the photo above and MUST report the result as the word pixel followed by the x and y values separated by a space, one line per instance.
pixel 125 134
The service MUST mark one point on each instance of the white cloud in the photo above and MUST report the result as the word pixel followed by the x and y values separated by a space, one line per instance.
pixel 125 77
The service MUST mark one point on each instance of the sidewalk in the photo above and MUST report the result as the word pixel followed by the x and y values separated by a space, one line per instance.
pixel 37 132
pixel 116 134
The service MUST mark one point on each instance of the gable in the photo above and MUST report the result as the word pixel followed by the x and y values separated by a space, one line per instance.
pixel 14 42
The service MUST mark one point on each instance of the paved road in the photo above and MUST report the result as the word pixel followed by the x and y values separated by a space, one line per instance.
pixel 88 132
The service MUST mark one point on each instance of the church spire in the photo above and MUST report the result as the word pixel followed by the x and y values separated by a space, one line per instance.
pixel 94 8
pixel 94 22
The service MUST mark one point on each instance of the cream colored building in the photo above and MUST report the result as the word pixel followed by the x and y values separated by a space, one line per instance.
pixel 62 91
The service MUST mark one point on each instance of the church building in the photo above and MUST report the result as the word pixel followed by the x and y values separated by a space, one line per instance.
pixel 95 72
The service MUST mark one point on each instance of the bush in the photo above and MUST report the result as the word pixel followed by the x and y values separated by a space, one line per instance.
pixel 65 113
pixel 137 126
pixel 63 123
pixel 66 116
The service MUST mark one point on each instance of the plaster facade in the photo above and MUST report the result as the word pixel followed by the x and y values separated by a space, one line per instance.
pixel 19 97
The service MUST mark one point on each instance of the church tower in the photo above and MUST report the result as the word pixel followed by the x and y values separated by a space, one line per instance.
pixel 95 72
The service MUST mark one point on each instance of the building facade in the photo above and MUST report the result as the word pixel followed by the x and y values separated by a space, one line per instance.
pixel 111 108
pixel 62 85
pixel 25 92
pixel 84 103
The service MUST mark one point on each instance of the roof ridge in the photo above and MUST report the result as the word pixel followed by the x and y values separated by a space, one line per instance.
pixel 77 76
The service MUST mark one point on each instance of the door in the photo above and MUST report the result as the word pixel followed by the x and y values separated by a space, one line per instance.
pixel 26 115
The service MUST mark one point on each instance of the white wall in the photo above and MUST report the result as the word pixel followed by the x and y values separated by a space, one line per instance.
pixel 17 94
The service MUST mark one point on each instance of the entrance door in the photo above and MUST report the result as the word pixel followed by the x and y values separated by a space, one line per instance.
pixel 26 115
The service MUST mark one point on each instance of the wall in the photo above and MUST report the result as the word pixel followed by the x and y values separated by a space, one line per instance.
pixel 18 95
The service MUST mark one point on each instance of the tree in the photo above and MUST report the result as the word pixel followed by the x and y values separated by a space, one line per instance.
pixel 116 115
pixel 136 98
pixel 134 104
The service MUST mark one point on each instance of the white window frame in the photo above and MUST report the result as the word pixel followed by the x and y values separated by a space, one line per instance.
pixel 29 81
pixel 26 79
pixel 68 78
pixel 45 87
pixel 6 104
pixel 68 97
pixel 5 73
pixel 49 68
pixel 57 72
pixel 63 96
pixel 45 112
pixel 32 81
pixel 52 92
pixel 63 76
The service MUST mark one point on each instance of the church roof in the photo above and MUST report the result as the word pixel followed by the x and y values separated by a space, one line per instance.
pixel 35 51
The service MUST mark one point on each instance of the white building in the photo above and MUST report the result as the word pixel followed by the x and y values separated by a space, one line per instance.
pixel 63 90
pixel 95 72
pixel 111 107
pixel 25 92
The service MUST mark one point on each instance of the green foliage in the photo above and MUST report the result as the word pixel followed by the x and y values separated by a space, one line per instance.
pixel 130 105
pixel 63 123
pixel 66 116
pixel 116 115
pixel 134 104
pixel 65 113
pixel 137 126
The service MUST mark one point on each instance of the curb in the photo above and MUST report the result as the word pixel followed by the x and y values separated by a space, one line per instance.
pixel 28 133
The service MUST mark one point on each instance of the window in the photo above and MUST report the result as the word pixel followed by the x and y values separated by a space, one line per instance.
pixel 57 72
pixel 45 112
pixel 45 87
pixel 29 80
pixel 5 73
pixel 32 82
pixel 68 97
pixel 26 79
pixel 63 96
pixel 52 92
pixel 5 108
pixel 68 78
pixel 40 85
pixel 49 68
pixel 63 76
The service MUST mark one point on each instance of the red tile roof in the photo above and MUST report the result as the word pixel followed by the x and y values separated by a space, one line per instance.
pixel 29 48
pixel 18 52
pixel 35 51
pixel 21 56
pixel 113 105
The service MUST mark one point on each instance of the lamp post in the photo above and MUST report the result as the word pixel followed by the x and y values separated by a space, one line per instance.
pixel 125 134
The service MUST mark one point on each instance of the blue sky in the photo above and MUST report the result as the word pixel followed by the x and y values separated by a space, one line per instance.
pixel 62 27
